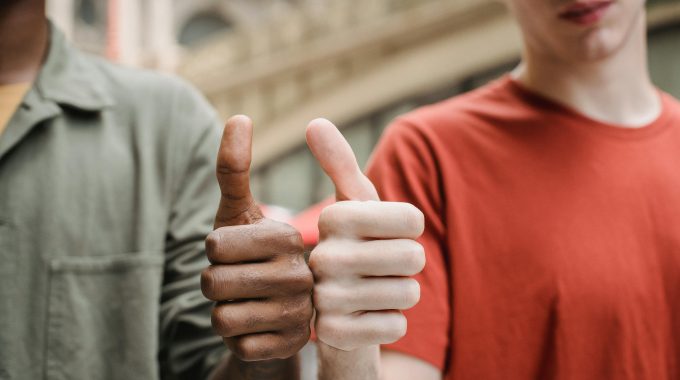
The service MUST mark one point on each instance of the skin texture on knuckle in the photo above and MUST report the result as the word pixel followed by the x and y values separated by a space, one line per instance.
pixel 296 311
pixel 337 218
pixel 335 259
pixel 333 331
pixel 320 261
pixel 296 338
pixel 212 244
pixel 297 278
pixel 258 278
pixel 293 241
pixel 345 262
pixel 208 287
pixel 270 346
pixel 282 238
pixel 319 300
pixel 393 328
pixel 246 350
pixel 331 299
pixel 328 220
pixel 221 322
pixel 266 281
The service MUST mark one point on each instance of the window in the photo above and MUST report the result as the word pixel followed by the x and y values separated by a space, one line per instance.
pixel 88 12
pixel 201 27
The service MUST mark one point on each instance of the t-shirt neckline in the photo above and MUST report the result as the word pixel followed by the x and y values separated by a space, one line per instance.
pixel 536 100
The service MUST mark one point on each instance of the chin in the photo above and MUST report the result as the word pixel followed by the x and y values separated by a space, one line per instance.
pixel 599 45
pixel 602 41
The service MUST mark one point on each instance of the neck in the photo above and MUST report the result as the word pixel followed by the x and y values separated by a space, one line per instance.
pixel 616 89
pixel 23 40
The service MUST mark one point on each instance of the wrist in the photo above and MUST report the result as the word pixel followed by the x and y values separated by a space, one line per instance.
pixel 361 363
pixel 277 369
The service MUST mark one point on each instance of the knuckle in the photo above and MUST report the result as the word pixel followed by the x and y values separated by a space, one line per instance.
pixel 344 261
pixel 295 339
pixel 415 257
pixel 309 311
pixel 215 281
pixel 318 301
pixel 294 343
pixel 334 217
pixel 328 297
pixel 245 350
pixel 291 240
pixel 412 293
pixel 212 244
pixel 285 350
pixel 331 331
pixel 251 348
pixel 333 259
pixel 221 322
pixel 305 332
pixel 260 280
pixel 414 219
pixel 394 328
pixel 320 298
pixel 319 262
pixel 297 311
pixel 298 280
pixel 283 236
pixel 208 284
pixel 327 218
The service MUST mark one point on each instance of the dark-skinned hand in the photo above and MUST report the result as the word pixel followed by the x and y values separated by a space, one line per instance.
pixel 258 276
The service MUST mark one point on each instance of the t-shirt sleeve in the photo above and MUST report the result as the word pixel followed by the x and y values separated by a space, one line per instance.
pixel 404 169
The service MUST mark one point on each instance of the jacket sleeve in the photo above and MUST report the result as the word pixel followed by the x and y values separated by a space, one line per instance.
pixel 189 349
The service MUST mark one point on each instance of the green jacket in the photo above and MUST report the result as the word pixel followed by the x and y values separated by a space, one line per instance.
pixel 107 192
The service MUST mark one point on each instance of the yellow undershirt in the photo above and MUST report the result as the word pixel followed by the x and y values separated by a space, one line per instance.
pixel 11 96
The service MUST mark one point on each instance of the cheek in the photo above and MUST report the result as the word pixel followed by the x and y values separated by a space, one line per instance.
pixel 623 13
pixel 534 19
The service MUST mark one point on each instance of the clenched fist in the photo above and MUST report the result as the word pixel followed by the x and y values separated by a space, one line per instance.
pixel 258 277
pixel 361 267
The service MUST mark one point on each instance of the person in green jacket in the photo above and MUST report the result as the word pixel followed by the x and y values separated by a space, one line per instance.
pixel 107 192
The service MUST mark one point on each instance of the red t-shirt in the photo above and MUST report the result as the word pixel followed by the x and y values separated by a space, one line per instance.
pixel 553 240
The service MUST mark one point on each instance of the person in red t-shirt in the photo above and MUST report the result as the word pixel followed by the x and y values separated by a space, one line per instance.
pixel 552 205
pixel 551 200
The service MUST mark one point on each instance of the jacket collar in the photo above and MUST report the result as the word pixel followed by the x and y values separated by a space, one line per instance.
pixel 70 78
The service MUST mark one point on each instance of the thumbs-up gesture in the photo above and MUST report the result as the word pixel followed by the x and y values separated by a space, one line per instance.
pixel 366 252
pixel 258 277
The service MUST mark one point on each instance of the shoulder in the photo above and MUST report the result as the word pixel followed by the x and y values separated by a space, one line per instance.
pixel 463 113
pixel 162 112
pixel 133 88
pixel 157 108
pixel 670 104
pixel 473 122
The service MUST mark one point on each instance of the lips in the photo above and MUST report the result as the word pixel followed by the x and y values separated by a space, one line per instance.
pixel 585 12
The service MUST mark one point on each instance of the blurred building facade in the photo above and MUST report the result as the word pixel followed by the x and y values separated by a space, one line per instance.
pixel 359 63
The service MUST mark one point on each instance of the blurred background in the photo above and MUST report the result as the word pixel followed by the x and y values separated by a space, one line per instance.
pixel 359 63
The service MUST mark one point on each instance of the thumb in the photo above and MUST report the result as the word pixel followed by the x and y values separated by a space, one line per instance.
pixel 233 175
pixel 337 159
